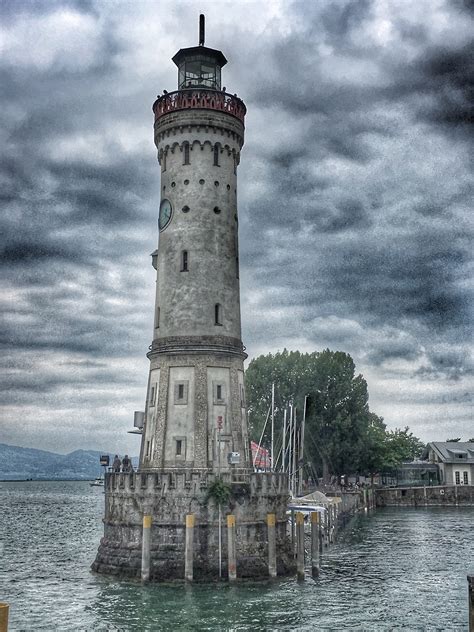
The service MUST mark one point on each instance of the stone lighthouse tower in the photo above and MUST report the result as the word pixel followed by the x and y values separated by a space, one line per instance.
pixel 194 458
pixel 195 410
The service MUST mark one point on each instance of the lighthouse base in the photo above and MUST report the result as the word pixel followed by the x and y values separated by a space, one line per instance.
pixel 168 496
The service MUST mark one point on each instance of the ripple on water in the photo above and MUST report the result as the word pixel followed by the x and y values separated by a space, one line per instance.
pixel 394 569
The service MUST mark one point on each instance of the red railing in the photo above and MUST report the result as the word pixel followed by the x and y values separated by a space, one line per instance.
pixel 200 100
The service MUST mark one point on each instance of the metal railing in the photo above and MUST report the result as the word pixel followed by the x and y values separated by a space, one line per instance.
pixel 201 99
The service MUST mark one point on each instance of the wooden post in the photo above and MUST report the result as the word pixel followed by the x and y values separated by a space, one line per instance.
pixel 292 532
pixel 189 549
pixel 231 557
pixel 146 543
pixel 315 543
pixel 272 564
pixel 470 596
pixel 4 608
pixel 300 545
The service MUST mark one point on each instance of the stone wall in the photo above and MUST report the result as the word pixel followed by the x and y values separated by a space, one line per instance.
pixel 436 496
pixel 169 496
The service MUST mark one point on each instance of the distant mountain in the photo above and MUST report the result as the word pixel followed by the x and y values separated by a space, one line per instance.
pixel 21 463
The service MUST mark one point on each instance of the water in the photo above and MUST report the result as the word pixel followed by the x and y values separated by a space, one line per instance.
pixel 394 569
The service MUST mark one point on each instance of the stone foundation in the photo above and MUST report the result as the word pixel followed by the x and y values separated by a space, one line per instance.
pixel 172 494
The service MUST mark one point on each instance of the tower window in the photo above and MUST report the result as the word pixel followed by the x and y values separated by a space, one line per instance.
pixel 217 210
pixel 163 161
pixel 180 447
pixel 185 209
pixel 181 392
pixel 157 318
pixel 217 314
pixel 153 395
pixel 186 154
pixel 216 155
pixel 184 261
pixel 219 392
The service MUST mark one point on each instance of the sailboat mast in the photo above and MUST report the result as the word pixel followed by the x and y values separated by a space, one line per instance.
pixel 273 428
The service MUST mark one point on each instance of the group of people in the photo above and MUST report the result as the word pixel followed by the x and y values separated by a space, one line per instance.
pixel 124 465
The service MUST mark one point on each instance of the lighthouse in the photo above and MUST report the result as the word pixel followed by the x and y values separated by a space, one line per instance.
pixel 195 412
pixel 195 468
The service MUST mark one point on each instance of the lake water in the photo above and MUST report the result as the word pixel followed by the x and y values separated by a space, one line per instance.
pixel 392 569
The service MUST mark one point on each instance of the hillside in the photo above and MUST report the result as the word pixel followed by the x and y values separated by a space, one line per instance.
pixel 21 463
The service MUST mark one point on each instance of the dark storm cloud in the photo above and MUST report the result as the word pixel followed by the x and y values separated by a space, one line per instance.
pixel 353 190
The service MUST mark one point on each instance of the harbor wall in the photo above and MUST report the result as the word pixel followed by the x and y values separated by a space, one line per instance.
pixel 435 496
pixel 168 497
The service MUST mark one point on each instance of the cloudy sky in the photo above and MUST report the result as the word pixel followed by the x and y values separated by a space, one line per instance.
pixel 354 199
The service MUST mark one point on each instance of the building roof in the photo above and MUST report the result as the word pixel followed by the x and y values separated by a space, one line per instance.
pixel 453 451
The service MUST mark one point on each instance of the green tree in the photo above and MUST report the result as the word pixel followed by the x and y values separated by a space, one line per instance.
pixel 338 420
pixel 402 446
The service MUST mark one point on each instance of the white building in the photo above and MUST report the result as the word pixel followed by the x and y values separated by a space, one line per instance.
pixel 455 461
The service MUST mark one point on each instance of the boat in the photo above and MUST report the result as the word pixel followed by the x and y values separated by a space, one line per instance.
pixel 98 482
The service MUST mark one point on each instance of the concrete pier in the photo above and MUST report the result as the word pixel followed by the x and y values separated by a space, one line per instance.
pixel 231 553
pixel 189 549
pixel 146 543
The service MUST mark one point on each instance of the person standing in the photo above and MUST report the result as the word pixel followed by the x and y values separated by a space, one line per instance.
pixel 116 464
pixel 126 464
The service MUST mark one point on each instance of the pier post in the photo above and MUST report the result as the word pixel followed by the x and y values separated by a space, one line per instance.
pixel 272 564
pixel 146 544
pixel 292 532
pixel 470 597
pixel 315 543
pixel 300 545
pixel 328 525
pixel 231 557
pixel 189 549
pixel 331 531
pixel 4 608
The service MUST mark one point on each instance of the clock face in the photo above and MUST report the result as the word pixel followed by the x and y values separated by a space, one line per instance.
pixel 164 217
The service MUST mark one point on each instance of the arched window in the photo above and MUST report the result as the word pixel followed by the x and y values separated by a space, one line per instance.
pixel 184 261
pixel 163 161
pixel 216 155
pixel 186 154
pixel 217 314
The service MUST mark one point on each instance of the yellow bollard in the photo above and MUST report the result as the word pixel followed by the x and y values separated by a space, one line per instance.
pixel 4 608
pixel 146 545
pixel 272 563
pixel 189 549
pixel 231 554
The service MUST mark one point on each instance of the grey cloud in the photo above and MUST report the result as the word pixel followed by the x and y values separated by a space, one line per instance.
pixel 342 213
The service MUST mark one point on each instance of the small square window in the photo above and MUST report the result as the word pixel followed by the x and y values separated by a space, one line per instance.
pixel 219 392
pixel 181 392
pixel 180 447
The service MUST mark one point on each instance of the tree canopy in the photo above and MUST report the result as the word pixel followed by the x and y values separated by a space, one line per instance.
pixel 342 435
